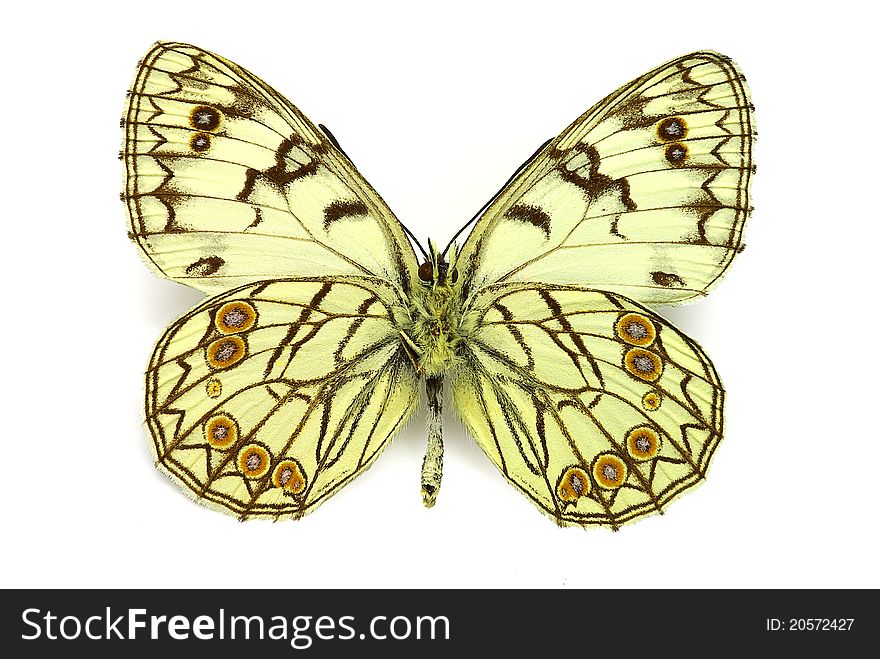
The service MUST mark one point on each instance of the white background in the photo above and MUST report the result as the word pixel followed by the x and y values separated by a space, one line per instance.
pixel 437 107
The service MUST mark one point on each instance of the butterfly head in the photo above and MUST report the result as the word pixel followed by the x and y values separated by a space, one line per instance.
pixel 440 270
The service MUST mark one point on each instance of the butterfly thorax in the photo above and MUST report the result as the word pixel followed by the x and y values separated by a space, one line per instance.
pixel 436 316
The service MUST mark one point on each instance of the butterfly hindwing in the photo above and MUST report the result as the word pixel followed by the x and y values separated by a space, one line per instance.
pixel 596 408
pixel 265 400
pixel 227 182
pixel 645 194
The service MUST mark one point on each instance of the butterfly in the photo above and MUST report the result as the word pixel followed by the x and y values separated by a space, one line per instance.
pixel 322 331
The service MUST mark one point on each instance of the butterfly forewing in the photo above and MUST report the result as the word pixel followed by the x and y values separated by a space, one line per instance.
pixel 645 194
pixel 227 182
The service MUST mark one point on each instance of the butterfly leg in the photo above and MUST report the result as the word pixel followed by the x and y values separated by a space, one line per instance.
pixel 412 350
pixel 432 466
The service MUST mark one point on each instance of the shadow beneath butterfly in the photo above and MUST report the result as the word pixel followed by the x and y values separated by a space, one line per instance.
pixel 164 301
pixel 696 320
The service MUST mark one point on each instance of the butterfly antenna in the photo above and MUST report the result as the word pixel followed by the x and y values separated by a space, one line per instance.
pixel 495 196
pixel 334 141
pixel 414 240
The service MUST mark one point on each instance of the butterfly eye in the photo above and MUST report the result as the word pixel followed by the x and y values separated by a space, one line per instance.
pixel 426 272
pixel 454 277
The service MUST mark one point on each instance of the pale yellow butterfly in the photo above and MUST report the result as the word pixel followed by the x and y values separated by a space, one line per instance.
pixel 320 326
